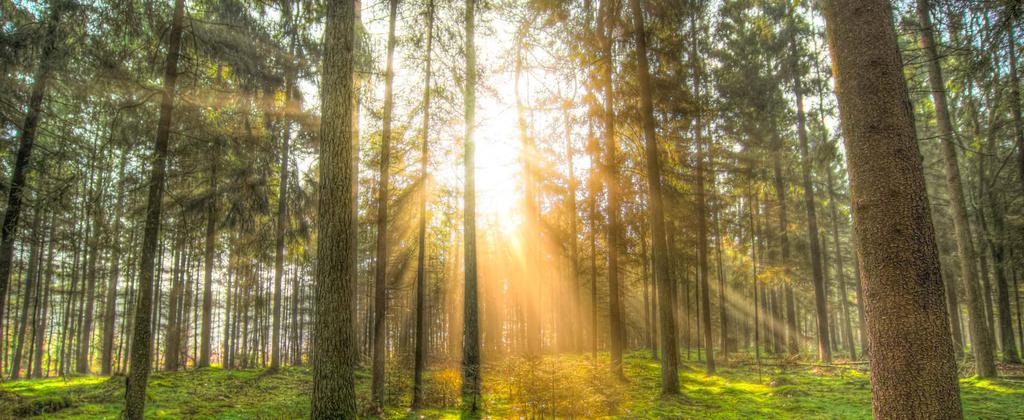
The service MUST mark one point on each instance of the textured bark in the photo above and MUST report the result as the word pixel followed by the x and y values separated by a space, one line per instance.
pixel 420 350
pixel 110 303
pixel 916 375
pixel 471 379
pixel 665 288
pixel 141 351
pixel 380 289
pixel 984 353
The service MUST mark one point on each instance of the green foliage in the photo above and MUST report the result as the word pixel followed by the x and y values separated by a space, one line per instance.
pixel 552 386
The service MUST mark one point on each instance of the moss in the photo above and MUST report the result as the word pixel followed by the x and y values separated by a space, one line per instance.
pixel 564 386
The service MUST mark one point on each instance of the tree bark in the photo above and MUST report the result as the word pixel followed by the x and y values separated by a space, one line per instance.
pixel 983 352
pixel 141 352
pixel 471 379
pixel 110 303
pixel 669 349
pixel 380 298
pixel 902 283
pixel 419 357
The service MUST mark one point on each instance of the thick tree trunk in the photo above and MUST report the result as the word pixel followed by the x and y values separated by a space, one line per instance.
pixel 902 283
pixel 380 289
pixel 471 379
pixel 335 354
pixel 420 351
pixel 983 352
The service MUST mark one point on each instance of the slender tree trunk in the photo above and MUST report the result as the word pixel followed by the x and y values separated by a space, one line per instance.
pixel 840 272
pixel 612 190
pixel 380 298
pixel 110 305
pixel 26 141
pixel 916 373
pixel 983 352
pixel 669 350
pixel 85 333
pixel 42 315
pixel 471 379
pixel 141 352
pixel 335 353
pixel 1018 121
pixel 27 295
pixel 419 357
pixel 820 297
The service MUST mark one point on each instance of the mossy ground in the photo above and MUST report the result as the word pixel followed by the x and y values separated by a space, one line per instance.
pixel 556 386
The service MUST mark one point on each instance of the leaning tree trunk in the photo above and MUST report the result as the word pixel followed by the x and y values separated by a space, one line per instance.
pixel 380 288
pixel 47 62
pixel 420 351
pixel 669 349
pixel 906 314
pixel 141 351
pixel 471 380
pixel 984 354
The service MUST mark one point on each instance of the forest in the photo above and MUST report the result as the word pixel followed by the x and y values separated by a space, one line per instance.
pixel 339 209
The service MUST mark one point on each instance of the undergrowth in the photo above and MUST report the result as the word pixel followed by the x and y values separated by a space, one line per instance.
pixel 564 386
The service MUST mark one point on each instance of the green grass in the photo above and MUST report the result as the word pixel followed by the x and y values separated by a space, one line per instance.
pixel 554 386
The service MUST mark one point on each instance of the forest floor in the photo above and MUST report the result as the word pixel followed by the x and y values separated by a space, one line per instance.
pixel 553 386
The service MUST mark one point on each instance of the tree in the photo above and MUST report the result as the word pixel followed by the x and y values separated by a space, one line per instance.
pixel 916 373
pixel 612 187
pixel 670 354
pixel 141 351
pixel 380 285
pixel 984 354
pixel 470 330
pixel 335 353
pixel 26 141
pixel 419 357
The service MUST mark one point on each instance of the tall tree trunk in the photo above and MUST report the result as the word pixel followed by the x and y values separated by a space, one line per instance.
pixel 612 187
pixel 576 316
pixel 141 352
pixel 917 371
pixel 419 357
pixel 110 303
pixel 817 272
pixel 41 78
pixel 279 231
pixel 27 294
pixel 380 298
pixel 669 349
pixel 983 352
pixel 42 315
pixel 85 333
pixel 335 353
pixel 840 272
pixel 471 379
